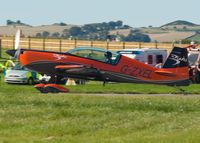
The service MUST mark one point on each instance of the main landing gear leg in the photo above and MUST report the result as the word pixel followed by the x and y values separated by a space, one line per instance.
pixel 104 82
pixel 51 87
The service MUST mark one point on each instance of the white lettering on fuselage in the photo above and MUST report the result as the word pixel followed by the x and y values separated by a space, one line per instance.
pixel 58 56
pixel 177 59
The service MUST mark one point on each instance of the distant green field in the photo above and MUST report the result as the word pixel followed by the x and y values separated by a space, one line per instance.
pixel 196 37
pixel 28 116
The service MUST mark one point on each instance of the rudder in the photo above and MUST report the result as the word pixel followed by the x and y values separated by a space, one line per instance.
pixel 177 58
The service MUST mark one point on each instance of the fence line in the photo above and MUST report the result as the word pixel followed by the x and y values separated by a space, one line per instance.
pixel 61 45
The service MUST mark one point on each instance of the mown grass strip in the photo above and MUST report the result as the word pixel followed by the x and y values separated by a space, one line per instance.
pixel 70 118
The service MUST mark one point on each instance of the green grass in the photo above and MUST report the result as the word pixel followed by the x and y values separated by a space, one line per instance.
pixel 98 87
pixel 71 118
pixel 28 116
pixel 124 88
pixel 109 88
pixel 3 53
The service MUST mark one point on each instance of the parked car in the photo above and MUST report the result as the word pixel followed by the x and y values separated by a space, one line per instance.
pixel 19 74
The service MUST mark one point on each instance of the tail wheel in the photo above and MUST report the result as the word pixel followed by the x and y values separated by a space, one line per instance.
pixel 30 81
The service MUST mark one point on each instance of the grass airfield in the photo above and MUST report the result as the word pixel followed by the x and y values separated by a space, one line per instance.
pixel 29 116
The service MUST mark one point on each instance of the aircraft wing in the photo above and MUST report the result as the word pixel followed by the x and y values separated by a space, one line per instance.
pixel 77 70
pixel 66 67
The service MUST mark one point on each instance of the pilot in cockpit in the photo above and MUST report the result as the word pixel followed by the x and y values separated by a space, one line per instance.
pixel 108 56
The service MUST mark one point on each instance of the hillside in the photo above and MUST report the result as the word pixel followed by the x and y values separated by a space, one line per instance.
pixel 32 31
pixel 159 34
pixel 180 22
pixel 181 25
pixel 171 36
pixel 173 31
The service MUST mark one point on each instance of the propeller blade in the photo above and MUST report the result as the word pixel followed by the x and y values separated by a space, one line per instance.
pixel 17 53
pixel 17 39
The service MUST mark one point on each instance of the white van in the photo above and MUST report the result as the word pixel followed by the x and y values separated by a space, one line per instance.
pixel 150 56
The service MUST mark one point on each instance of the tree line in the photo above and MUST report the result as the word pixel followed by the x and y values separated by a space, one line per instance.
pixel 95 31
pixel 98 31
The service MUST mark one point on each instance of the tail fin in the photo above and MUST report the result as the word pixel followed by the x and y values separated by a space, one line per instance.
pixel 177 58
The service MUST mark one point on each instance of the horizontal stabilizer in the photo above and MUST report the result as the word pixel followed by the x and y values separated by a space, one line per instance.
pixel 165 73
pixel 52 88
pixel 41 88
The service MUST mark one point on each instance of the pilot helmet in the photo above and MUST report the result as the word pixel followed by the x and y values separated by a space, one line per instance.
pixel 108 54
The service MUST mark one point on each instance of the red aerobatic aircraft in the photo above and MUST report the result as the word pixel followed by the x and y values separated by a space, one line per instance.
pixel 102 65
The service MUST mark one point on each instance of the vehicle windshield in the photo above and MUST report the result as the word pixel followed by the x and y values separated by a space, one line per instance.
pixel 96 54
pixel 18 67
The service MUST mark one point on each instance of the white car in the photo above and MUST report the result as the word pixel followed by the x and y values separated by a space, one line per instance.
pixel 18 74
